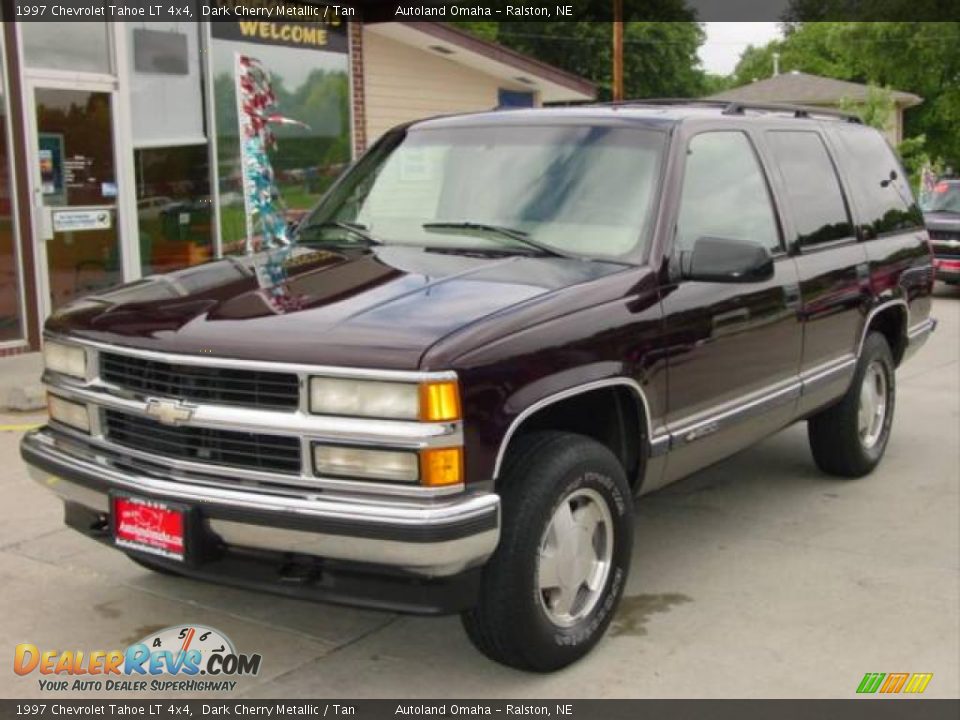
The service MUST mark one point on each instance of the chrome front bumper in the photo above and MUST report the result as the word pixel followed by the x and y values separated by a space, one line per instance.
pixel 429 537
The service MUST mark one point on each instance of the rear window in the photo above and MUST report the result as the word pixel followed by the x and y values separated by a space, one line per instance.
pixel 944 198
pixel 819 211
pixel 878 184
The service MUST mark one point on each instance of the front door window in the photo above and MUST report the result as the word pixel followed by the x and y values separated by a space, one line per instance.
pixel 77 192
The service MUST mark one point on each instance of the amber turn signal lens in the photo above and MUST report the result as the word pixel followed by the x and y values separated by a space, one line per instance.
pixel 441 466
pixel 439 401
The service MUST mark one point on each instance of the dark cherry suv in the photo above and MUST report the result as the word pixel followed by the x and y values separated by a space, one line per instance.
pixel 493 333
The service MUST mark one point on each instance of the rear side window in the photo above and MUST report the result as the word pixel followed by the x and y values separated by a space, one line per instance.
pixel 819 211
pixel 880 190
pixel 725 193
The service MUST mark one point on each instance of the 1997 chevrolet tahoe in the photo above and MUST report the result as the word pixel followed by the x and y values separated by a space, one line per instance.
pixel 496 331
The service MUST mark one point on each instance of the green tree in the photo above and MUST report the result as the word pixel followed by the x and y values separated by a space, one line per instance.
pixel 918 57
pixel 876 111
pixel 660 58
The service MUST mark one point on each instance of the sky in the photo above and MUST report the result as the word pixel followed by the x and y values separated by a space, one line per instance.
pixel 726 40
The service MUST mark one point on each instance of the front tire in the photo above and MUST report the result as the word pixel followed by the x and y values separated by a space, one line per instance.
pixel 849 438
pixel 551 588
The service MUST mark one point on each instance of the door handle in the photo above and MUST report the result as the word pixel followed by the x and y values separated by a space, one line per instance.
pixel 791 296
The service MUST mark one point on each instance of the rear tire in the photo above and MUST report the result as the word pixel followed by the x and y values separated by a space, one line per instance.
pixel 848 439
pixel 550 590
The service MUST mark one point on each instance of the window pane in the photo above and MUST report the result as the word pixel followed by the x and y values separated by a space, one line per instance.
pixel 812 186
pixel 312 86
pixel 582 189
pixel 173 207
pixel 11 321
pixel 166 94
pixel 724 193
pixel 75 139
pixel 882 195
pixel 76 46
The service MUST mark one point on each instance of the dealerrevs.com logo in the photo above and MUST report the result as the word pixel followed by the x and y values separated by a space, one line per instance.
pixel 181 658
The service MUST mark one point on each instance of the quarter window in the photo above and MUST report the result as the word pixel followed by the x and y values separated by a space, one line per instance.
pixel 881 192
pixel 819 212
pixel 724 193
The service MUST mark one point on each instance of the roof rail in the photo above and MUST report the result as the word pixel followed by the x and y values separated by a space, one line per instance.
pixel 739 107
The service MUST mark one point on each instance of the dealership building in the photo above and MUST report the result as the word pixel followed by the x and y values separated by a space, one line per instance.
pixel 119 148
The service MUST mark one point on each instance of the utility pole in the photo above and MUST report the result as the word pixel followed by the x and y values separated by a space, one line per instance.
pixel 617 50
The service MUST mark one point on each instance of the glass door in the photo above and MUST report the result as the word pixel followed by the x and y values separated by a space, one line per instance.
pixel 75 190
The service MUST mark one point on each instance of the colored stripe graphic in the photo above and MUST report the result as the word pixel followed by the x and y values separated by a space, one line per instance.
pixel 918 683
pixel 894 683
pixel 871 682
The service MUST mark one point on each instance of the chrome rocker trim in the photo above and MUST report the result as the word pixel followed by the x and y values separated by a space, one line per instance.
pixel 432 538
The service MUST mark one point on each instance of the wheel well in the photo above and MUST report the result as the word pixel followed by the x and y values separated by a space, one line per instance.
pixel 892 324
pixel 613 416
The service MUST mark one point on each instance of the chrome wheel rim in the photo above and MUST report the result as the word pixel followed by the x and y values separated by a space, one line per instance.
pixel 576 552
pixel 873 405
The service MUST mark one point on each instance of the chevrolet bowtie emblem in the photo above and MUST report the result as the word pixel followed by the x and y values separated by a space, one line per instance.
pixel 169 412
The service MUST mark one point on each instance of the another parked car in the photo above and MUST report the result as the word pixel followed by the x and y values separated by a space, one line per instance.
pixel 496 332
pixel 941 211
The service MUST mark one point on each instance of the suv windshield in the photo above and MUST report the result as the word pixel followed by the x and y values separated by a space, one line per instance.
pixel 544 190
pixel 944 198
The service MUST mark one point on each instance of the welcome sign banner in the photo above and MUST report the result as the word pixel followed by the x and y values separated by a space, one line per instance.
pixel 273 22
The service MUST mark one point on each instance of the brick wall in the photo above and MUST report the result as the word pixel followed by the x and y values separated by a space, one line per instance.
pixel 359 94
pixel 17 350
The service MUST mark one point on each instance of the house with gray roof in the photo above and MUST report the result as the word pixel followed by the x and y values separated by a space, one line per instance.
pixel 799 88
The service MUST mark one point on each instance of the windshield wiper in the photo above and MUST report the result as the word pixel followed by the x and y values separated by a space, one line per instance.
pixel 517 235
pixel 360 231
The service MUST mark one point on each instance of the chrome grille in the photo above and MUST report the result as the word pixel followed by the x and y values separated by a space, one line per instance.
pixel 222 386
pixel 255 451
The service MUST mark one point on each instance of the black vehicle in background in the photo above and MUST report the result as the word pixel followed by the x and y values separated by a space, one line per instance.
pixel 941 212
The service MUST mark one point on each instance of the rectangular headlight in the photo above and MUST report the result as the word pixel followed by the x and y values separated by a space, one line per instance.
pixel 360 463
pixel 66 359
pixel 69 413
pixel 434 401
pixel 364 398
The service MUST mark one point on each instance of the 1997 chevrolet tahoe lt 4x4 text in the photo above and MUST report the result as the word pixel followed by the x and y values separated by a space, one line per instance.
pixel 495 331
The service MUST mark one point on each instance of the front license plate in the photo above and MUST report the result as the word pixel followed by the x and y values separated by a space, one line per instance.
pixel 149 526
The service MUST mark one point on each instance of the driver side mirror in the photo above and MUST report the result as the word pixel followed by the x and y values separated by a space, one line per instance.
pixel 724 260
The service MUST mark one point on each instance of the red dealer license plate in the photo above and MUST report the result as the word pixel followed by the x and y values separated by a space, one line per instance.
pixel 149 526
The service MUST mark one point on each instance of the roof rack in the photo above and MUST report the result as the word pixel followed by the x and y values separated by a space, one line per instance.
pixel 739 107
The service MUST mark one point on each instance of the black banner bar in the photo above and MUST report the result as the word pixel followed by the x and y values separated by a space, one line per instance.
pixel 335 11
pixel 855 709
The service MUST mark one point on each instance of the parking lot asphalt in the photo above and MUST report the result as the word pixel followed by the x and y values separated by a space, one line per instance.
pixel 759 577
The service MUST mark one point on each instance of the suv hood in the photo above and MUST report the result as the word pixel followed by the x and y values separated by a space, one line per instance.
pixel 381 308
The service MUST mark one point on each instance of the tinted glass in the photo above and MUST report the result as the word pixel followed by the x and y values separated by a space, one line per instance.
pixel 579 189
pixel 724 193
pixel 880 190
pixel 819 212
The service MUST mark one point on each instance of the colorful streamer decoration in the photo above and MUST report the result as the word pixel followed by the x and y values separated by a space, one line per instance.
pixel 256 112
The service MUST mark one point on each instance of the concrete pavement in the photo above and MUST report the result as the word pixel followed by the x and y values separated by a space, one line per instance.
pixel 759 577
